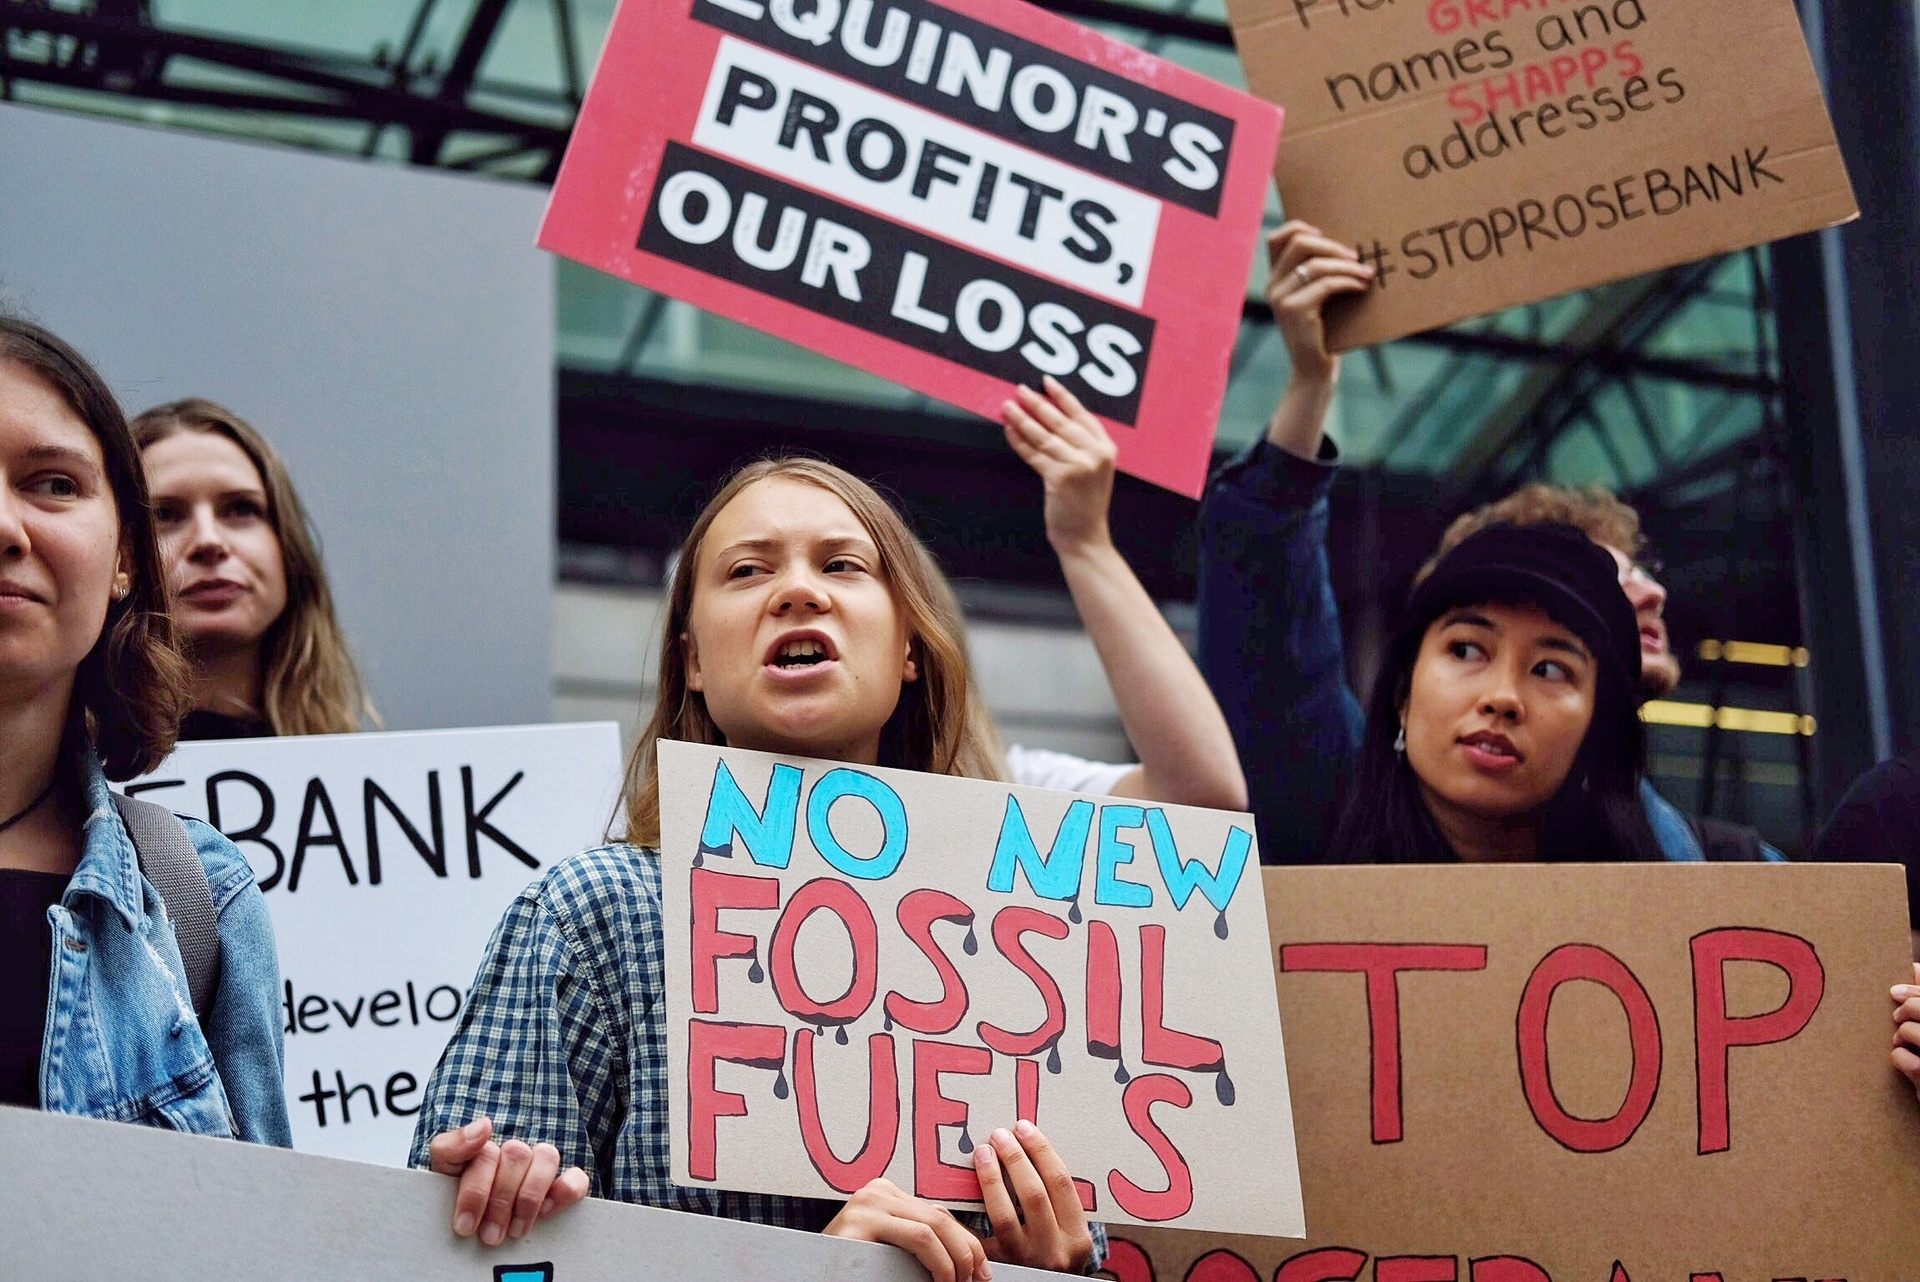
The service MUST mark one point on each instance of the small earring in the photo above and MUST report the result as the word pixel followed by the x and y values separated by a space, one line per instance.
pixel 1400 740
pixel 122 584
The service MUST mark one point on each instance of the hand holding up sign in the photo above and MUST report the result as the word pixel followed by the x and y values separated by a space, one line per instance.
pixel 504 1188
pixel 1074 456
pixel 1906 1037
pixel 882 1211
pixel 1049 1231
pixel 1186 751
pixel 1046 1230
pixel 1306 269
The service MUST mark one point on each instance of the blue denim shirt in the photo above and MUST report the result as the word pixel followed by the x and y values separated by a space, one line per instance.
pixel 122 1042
pixel 1675 834
pixel 1270 647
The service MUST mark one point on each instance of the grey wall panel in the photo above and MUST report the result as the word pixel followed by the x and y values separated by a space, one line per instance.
pixel 390 329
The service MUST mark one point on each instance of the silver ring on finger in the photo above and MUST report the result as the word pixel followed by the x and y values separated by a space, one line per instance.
pixel 1306 277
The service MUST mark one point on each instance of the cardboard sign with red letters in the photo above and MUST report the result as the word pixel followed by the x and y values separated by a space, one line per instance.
pixel 869 970
pixel 958 196
pixel 1593 1073
pixel 1481 154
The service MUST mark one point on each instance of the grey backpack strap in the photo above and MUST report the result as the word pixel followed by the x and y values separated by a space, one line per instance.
pixel 170 862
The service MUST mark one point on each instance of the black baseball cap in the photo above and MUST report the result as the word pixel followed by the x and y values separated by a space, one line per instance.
pixel 1552 566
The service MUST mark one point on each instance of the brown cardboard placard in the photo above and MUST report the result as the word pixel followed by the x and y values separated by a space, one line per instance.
pixel 1500 1129
pixel 868 970
pixel 1487 153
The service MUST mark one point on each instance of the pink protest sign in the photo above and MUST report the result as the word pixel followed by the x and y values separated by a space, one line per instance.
pixel 956 196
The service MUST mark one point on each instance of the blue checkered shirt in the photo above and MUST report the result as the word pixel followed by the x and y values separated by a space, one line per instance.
pixel 563 1039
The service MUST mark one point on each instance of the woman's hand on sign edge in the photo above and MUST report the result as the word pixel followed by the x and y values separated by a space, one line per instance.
pixel 884 1212
pixel 1906 1033
pixel 504 1188
pixel 1049 1229
pixel 1060 439
pixel 1331 268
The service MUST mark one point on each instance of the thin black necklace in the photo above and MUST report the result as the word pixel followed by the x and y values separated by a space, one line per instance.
pixel 33 805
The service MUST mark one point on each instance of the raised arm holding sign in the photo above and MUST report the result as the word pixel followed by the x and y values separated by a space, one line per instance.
pixel 1172 720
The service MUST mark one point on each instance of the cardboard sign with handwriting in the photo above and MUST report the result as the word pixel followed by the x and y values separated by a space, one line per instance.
pixel 868 970
pixel 1586 1074
pixel 1487 153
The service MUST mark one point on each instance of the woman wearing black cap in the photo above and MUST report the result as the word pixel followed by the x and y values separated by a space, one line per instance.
pixel 1504 724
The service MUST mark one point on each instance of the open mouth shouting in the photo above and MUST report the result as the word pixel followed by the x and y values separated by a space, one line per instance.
pixel 801 654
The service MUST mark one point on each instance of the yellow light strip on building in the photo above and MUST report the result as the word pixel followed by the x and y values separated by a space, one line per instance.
pixel 1755 652
pixel 1699 716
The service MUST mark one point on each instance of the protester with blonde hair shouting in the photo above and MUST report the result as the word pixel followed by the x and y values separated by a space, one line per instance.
pixel 802 618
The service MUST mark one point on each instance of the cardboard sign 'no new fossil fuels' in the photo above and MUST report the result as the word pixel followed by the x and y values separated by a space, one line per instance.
pixel 868 970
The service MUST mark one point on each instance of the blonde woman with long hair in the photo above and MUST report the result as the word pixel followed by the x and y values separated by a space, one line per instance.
pixel 802 619
pixel 248 589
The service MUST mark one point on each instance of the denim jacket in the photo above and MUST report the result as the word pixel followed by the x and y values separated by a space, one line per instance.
pixel 1270 647
pixel 1270 644
pixel 122 1042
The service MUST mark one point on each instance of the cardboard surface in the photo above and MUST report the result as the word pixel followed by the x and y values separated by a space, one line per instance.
pixel 1487 153
pixel 868 970
pixel 386 861
pixel 955 196
pixel 107 1202
pixel 1513 1137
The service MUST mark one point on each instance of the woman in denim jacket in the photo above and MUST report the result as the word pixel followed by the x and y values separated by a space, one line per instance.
pixel 95 1015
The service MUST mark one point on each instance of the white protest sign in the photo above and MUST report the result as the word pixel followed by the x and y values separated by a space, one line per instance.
pixel 948 208
pixel 387 860
pixel 107 1202
pixel 868 970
